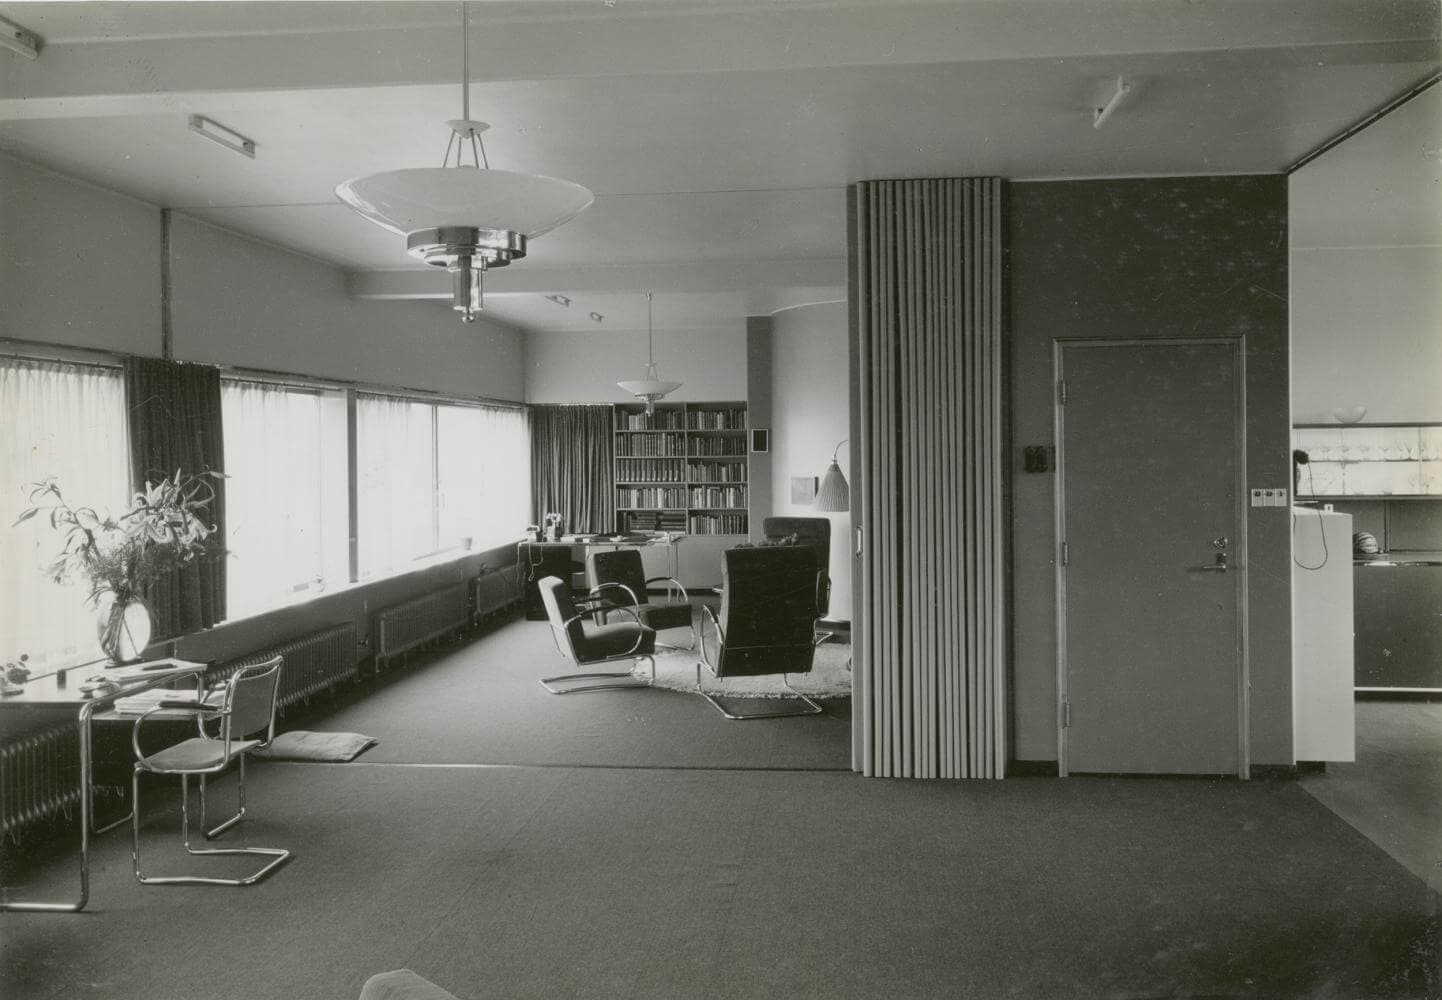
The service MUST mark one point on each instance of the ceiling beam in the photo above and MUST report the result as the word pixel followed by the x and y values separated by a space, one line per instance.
pixel 115 75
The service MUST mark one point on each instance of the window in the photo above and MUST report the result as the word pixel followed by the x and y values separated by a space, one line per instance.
pixel 483 458
pixel 286 509
pixel 435 477
pixel 67 422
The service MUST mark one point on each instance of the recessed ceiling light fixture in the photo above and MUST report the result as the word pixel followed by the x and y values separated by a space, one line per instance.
pixel 560 300
pixel 227 137
pixel 465 217
pixel 649 387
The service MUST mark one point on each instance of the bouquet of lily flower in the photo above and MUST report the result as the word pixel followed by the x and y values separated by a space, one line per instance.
pixel 162 530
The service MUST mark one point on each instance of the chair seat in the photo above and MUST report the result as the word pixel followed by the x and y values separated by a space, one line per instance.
pixel 601 641
pixel 196 754
pixel 665 615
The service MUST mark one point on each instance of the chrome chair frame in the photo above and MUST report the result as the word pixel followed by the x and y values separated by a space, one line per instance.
pixel 812 708
pixel 232 749
pixel 672 586
pixel 587 607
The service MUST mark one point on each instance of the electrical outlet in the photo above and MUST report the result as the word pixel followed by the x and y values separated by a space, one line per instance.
pixel 1257 498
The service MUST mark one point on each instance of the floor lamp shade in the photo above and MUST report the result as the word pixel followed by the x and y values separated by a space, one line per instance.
pixel 834 495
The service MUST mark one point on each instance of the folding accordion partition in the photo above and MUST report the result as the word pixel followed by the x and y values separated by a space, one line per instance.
pixel 927 446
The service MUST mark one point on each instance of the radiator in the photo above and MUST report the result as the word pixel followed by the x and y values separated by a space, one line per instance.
pixel 494 590
pixel 312 664
pixel 39 775
pixel 402 627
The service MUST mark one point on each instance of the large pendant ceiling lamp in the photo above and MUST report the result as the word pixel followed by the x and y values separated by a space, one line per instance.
pixel 649 387
pixel 465 217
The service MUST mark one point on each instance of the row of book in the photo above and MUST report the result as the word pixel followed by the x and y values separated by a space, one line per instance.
pixel 652 520
pixel 717 472
pixel 650 470
pixel 717 524
pixel 718 446
pixel 661 420
pixel 650 496
pixel 650 445
pixel 718 496
pixel 716 420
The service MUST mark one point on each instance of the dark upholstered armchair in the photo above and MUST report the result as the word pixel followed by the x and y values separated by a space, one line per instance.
pixel 585 645
pixel 813 532
pixel 770 600
pixel 619 579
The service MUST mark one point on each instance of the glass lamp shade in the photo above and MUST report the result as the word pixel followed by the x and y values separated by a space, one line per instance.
pixel 834 495
pixel 654 388
pixel 405 201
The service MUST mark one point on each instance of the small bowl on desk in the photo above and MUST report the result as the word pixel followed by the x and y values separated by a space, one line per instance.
pixel 1349 414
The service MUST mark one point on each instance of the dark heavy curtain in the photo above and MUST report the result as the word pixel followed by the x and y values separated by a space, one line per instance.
pixel 571 466
pixel 175 424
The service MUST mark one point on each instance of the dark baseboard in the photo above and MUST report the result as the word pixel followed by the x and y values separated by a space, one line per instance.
pixel 1284 772
pixel 1031 769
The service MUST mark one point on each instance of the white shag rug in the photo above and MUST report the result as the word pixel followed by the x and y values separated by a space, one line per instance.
pixel 830 675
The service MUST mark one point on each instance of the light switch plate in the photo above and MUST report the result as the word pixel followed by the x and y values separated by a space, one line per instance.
pixel 1257 499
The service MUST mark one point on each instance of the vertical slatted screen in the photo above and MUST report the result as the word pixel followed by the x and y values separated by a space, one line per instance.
pixel 926 302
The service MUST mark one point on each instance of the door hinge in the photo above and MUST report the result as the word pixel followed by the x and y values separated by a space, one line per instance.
pixel 1065 554
pixel 1061 391
pixel 1066 715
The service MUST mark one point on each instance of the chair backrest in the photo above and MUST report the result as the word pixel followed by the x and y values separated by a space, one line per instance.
pixel 813 532
pixel 768 610
pixel 251 695
pixel 556 596
pixel 621 566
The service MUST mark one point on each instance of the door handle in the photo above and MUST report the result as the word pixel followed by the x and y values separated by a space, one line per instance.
pixel 1218 566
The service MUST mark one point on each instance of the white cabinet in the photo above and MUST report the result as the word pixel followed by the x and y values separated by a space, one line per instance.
pixel 1323 705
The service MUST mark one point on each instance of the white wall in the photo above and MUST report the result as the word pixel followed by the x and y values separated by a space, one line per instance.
pixel 80 266
pixel 240 302
pixel 1366 272
pixel 810 415
pixel 585 367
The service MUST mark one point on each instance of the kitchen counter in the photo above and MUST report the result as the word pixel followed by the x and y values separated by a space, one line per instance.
pixel 1402 557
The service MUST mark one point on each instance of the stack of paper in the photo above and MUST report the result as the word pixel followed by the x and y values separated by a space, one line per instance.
pixel 144 701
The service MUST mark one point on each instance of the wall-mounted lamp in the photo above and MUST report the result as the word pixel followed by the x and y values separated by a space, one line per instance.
pixel 21 41
pixel 834 495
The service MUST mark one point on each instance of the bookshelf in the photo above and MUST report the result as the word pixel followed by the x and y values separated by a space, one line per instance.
pixel 684 468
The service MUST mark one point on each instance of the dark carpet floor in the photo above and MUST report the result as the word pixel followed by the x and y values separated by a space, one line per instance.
pixel 689 857
pixel 554 883
pixel 481 704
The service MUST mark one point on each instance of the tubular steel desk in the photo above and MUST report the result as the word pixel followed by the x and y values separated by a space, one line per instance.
pixel 47 692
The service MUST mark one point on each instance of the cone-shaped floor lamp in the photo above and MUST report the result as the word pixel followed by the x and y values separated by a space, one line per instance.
pixel 834 495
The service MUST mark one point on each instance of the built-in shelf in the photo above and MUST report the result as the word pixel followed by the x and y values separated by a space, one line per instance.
pixel 682 468
pixel 1370 461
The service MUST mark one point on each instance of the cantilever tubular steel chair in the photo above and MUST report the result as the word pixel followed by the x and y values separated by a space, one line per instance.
pixel 247 708
pixel 596 644
pixel 770 600
pixel 620 577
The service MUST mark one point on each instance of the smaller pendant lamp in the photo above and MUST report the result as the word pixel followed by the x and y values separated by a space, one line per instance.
pixel 834 495
pixel 649 387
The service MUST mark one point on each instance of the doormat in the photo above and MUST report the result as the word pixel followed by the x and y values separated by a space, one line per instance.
pixel 301 744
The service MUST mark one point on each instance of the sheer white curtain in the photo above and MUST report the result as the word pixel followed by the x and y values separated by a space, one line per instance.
pixel 396 483
pixel 67 422
pixel 483 460
pixel 286 531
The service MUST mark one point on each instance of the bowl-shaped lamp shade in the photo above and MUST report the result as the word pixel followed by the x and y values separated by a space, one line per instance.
pixel 834 495
pixel 405 201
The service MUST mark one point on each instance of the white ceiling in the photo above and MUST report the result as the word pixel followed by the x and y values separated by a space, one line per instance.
pixel 718 136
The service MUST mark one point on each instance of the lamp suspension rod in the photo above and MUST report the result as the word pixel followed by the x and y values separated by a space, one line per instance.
pixel 465 64
pixel 650 358
pixel 838 448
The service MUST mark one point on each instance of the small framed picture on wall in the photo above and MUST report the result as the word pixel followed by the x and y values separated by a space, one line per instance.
pixel 803 489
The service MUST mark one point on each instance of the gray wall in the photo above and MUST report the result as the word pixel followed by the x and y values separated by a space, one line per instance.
pixel 1173 257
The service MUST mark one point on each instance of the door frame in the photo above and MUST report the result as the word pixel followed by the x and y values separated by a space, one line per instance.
pixel 1240 509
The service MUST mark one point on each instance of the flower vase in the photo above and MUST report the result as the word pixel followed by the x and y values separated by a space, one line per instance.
pixel 124 629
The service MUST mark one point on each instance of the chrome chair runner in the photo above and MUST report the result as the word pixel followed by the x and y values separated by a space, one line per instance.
pixel 247 707
pixel 600 644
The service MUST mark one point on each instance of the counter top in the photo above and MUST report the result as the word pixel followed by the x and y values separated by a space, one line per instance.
pixel 1415 557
